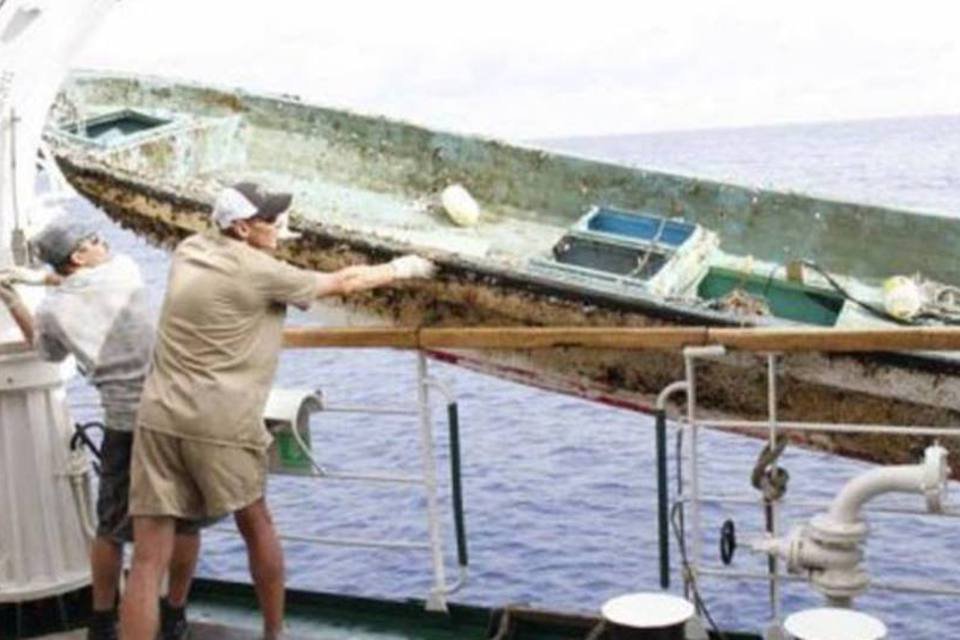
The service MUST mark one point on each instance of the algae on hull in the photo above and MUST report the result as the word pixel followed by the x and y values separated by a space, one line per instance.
pixel 734 387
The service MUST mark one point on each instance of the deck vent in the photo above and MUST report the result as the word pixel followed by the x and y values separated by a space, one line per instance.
pixel 116 127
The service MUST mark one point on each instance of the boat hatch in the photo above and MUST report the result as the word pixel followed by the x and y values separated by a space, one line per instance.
pixel 671 233
pixel 114 127
pixel 621 260
pixel 623 244
pixel 785 299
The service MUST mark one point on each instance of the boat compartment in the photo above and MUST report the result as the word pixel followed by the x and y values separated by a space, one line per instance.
pixel 786 299
pixel 615 250
pixel 114 127
pixel 672 233
pixel 610 258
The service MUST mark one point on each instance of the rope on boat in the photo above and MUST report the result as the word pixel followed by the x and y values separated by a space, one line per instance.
pixel 839 288
pixel 940 304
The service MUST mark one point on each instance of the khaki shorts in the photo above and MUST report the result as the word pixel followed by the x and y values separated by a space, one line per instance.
pixel 113 521
pixel 171 476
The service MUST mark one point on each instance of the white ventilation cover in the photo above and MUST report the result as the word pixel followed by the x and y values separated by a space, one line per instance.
pixel 43 545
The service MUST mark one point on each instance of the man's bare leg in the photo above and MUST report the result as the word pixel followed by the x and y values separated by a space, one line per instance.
pixel 106 562
pixel 266 564
pixel 152 549
pixel 183 563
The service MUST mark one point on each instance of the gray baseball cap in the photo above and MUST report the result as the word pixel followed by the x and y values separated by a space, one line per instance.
pixel 59 239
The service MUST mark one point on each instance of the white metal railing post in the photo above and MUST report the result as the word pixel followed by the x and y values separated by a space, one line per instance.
pixel 451 398
pixel 690 430
pixel 774 504
pixel 437 600
pixel 690 433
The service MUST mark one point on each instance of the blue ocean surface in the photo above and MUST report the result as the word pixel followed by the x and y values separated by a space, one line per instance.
pixel 560 493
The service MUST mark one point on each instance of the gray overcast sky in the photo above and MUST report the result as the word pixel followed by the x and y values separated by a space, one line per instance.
pixel 535 69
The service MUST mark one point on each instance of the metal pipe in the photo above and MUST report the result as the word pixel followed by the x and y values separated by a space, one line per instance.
pixel 663 501
pixel 338 542
pixel 817 504
pixel 838 428
pixel 663 520
pixel 437 600
pixel 690 431
pixel 935 589
pixel 18 240
pixel 770 507
pixel 913 478
pixel 373 410
pixel 369 477
pixel 456 485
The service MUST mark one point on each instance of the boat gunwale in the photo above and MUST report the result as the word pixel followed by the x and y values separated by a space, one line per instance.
pixel 470 270
pixel 295 101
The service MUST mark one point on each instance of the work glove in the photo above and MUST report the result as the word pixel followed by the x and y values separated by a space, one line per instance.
pixel 23 275
pixel 412 267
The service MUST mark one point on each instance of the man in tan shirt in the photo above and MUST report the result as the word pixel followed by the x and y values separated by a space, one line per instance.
pixel 200 450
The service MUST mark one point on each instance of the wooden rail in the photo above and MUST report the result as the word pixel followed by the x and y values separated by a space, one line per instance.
pixel 632 338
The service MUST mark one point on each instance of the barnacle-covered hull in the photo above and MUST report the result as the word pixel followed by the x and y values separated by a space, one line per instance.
pixel 153 153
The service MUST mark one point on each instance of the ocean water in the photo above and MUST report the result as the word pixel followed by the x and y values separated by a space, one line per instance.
pixel 560 493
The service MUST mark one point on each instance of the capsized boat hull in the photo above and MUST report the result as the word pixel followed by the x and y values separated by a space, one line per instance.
pixel 363 190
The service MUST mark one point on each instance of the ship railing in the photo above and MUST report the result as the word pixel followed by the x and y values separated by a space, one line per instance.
pixel 690 495
pixel 287 416
pixel 694 343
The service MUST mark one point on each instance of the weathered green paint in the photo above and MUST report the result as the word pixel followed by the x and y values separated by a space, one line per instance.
pixel 371 153
pixel 356 202
pixel 789 300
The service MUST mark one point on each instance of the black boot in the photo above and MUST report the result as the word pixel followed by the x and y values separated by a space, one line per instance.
pixel 103 625
pixel 173 622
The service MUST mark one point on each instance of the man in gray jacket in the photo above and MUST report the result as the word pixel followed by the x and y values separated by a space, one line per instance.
pixel 97 311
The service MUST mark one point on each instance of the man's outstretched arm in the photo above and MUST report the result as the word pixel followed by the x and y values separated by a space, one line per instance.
pixel 362 278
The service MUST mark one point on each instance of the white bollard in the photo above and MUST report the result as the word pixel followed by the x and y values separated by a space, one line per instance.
pixel 830 623
pixel 646 615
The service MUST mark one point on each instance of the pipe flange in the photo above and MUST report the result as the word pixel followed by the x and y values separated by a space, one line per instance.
pixel 840 583
pixel 935 473
pixel 827 530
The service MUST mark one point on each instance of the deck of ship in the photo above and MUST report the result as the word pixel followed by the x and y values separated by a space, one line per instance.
pixel 228 611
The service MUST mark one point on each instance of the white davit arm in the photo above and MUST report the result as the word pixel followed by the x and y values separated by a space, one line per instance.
pixel 38 39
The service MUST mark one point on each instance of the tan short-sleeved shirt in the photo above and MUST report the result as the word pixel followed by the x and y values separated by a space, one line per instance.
pixel 218 341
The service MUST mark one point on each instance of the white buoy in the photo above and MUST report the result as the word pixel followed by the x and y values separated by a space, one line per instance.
pixel 460 205
pixel 633 614
pixel 831 623
pixel 902 297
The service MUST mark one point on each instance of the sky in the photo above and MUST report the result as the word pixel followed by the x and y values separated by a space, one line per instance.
pixel 529 69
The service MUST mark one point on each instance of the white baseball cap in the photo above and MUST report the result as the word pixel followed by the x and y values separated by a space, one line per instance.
pixel 246 200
